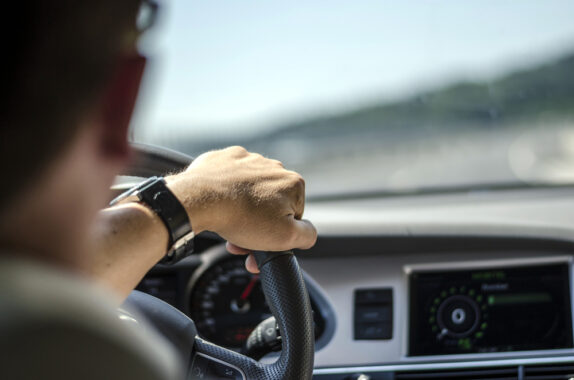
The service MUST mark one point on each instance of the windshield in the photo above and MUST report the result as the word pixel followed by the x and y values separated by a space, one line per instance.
pixel 369 95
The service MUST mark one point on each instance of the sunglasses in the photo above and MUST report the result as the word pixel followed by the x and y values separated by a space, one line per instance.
pixel 147 15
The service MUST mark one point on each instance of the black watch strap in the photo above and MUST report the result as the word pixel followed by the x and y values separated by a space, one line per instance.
pixel 157 196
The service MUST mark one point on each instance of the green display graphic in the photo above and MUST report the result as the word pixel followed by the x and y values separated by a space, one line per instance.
pixel 524 298
pixel 489 275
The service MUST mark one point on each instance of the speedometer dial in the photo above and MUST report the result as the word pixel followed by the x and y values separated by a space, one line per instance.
pixel 227 303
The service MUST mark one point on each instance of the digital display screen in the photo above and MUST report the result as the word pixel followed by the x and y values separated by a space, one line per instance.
pixel 490 310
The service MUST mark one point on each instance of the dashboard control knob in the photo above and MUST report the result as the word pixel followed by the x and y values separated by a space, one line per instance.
pixel 458 316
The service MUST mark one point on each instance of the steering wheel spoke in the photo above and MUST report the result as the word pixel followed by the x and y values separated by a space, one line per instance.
pixel 211 361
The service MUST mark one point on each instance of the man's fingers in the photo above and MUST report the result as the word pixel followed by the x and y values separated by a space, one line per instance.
pixel 302 235
pixel 232 248
pixel 297 194
pixel 251 264
pixel 305 234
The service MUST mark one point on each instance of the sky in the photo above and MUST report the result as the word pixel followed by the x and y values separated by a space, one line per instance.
pixel 228 66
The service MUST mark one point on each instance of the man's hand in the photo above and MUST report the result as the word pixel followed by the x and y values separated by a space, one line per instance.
pixel 250 200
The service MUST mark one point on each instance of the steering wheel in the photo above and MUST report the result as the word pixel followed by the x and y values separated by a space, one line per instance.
pixel 285 293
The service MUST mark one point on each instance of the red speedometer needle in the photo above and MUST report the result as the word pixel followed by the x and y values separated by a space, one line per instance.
pixel 249 288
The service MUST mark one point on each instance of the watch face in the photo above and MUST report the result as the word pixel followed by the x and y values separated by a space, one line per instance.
pixel 154 193
pixel 161 200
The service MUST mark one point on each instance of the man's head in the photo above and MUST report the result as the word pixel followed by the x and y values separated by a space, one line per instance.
pixel 70 74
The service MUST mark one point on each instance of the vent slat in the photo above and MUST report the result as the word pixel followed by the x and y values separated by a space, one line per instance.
pixel 469 374
pixel 549 372
pixel 540 372
pixel 427 376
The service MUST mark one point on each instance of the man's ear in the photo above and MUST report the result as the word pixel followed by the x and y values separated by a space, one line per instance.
pixel 118 103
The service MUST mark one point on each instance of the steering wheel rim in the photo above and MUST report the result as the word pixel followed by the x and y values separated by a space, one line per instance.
pixel 284 289
pixel 288 299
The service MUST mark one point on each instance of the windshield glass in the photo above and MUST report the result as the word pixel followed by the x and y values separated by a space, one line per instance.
pixel 369 95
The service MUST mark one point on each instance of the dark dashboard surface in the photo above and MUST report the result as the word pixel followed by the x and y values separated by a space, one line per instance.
pixel 335 279
pixel 377 244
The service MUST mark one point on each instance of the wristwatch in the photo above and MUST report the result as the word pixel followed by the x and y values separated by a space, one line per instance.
pixel 155 194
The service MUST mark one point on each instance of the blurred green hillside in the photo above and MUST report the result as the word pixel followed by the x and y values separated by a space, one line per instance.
pixel 530 95
pixel 527 97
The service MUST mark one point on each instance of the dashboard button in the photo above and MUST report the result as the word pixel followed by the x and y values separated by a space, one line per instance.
pixel 374 331
pixel 373 314
pixel 373 296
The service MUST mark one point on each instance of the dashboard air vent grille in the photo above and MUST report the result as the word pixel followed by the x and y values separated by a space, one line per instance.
pixel 504 373
pixel 549 372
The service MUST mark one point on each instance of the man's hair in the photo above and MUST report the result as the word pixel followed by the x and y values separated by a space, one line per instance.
pixel 56 60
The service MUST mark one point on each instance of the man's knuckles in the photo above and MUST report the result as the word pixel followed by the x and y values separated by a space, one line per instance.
pixel 236 151
pixel 277 163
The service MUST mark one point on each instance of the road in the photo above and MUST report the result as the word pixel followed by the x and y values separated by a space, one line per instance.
pixel 339 164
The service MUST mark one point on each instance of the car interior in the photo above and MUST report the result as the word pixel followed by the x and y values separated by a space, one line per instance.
pixel 439 162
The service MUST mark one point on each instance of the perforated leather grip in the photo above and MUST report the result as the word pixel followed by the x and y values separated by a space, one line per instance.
pixel 288 299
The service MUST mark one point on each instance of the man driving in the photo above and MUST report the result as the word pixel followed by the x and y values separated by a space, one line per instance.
pixel 71 77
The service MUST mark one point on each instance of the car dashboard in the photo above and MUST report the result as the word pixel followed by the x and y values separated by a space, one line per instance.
pixel 454 286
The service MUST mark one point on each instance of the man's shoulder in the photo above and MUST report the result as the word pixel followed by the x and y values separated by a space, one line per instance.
pixel 56 325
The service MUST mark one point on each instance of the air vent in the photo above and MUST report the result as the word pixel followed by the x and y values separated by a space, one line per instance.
pixel 549 372
pixel 501 373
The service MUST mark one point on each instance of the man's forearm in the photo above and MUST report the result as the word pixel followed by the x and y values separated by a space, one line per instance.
pixel 129 240
pixel 249 200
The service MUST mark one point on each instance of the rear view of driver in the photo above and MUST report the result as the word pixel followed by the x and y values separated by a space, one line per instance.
pixel 71 74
